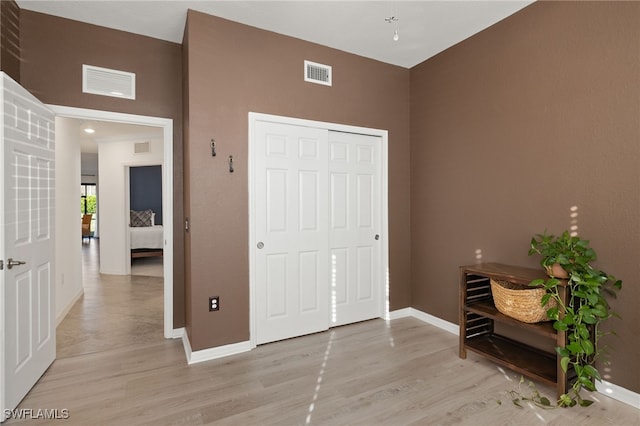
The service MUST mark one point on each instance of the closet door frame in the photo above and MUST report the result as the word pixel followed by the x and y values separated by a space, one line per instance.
pixel 384 205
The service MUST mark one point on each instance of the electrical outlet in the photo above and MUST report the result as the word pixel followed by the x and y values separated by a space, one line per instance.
pixel 214 303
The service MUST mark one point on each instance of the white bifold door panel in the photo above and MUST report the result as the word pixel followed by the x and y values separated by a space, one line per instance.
pixel 27 300
pixel 317 214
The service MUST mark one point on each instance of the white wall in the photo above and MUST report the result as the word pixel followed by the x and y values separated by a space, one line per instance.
pixel 114 157
pixel 89 167
pixel 67 217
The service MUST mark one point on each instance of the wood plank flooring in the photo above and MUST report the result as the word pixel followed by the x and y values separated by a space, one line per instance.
pixel 402 372
pixel 116 310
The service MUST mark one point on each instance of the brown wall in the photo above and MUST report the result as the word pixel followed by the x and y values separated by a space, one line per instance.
pixel 513 128
pixel 10 39
pixel 53 51
pixel 235 69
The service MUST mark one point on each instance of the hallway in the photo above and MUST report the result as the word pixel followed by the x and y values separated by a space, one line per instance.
pixel 115 310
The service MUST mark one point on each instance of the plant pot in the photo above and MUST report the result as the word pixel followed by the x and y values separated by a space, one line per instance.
pixel 557 271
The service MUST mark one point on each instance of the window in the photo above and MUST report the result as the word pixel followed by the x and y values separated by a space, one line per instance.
pixel 89 202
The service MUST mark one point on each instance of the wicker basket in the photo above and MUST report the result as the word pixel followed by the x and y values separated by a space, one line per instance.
pixel 520 302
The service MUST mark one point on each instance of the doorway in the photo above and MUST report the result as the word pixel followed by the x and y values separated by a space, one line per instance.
pixel 143 189
pixel 166 126
pixel 88 210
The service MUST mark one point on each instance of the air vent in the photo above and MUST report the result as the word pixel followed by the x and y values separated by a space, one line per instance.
pixel 141 147
pixel 317 73
pixel 106 82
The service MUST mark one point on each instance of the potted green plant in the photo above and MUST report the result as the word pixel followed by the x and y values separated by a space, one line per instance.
pixel 586 307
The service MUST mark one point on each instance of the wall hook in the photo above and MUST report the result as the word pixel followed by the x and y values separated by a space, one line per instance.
pixel 213 147
pixel 231 164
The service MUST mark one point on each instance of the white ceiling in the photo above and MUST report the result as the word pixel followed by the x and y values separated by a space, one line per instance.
pixel 425 27
pixel 106 131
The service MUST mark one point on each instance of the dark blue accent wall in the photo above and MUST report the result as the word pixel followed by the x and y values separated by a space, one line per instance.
pixel 145 189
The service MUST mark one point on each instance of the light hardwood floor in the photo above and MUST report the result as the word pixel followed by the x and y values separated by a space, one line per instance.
pixel 402 372
pixel 115 310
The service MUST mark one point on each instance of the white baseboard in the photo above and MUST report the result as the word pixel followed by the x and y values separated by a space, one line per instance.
pixel 605 388
pixel 66 310
pixel 619 393
pixel 425 317
pixel 177 333
pixel 212 353
pixel 400 313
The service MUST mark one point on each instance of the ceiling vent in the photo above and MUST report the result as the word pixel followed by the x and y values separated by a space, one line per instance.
pixel 317 73
pixel 141 147
pixel 107 82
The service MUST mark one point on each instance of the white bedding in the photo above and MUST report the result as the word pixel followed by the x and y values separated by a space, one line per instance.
pixel 147 237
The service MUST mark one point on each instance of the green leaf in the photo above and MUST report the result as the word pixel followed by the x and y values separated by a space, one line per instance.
pixel 565 400
pixel 560 326
pixel 583 331
pixel 564 363
pixel 600 311
pixel 580 294
pixel 591 371
pixel 545 401
pixel 588 348
pixel 583 243
pixel 537 283
pixel 551 283
pixel 587 383
pixel 592 298
pixel 585 402
pixel 575 348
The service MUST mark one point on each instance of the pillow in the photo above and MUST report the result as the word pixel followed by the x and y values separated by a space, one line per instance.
pixel 153 219
pixel 140 218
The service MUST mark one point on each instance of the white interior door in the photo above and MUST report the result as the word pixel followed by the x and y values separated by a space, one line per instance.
pixel 355 227
pixel 291 231
pixel 27 298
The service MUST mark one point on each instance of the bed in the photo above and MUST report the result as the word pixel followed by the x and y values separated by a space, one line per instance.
pixel 147 238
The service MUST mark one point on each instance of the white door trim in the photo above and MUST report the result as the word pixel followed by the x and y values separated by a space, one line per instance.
pixel 167 190
pixel 384 266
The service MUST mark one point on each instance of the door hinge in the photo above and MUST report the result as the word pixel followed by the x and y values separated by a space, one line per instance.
pixel 1 264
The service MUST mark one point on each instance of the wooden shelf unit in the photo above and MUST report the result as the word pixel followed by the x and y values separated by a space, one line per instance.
pixel 478 317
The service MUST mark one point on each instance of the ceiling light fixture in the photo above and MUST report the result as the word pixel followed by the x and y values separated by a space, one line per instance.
pixel 88 128
pixel 393 20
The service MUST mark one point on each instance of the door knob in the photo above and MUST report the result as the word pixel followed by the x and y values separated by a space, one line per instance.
pixel 11 263
pixel 377 237
pixel 260 245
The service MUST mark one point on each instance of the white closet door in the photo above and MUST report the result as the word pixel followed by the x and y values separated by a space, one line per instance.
pixel 291 228
pixel 355 225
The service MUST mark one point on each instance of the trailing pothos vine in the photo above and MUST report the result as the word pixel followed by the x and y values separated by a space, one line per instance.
pixel 586 307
